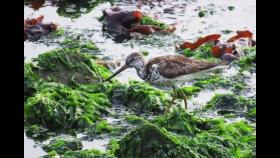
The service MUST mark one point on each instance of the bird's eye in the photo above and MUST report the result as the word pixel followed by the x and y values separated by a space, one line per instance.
pixel 132 59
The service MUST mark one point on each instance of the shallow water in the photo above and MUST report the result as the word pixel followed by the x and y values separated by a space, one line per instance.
pixel 31 149
pixel 203 97
pixel 98 143
pixel 189 27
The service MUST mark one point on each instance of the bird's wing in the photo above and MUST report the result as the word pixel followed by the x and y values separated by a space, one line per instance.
pixel 174 66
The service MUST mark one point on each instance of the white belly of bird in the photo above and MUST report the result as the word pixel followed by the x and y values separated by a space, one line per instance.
pixel 184 78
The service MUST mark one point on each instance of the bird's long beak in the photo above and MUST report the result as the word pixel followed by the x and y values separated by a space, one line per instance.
pixel 117 72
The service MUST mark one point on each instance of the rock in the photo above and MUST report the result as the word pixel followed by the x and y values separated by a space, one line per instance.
pixel 69 65
pixel 149 141
pixel 62 145
pixel 58 107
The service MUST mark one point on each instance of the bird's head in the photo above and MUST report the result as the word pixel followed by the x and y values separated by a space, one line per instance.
pixel 134 60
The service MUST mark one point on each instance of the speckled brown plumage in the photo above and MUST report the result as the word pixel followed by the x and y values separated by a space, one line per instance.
pixel 164 68
pixel 171 66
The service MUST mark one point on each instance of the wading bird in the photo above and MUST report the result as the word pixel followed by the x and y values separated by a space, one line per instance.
pixel 167 70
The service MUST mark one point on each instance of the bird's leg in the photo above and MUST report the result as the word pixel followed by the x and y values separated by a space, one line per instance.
pixel 173 99
pixel 185 98
pixel 186 102
pixel 229 65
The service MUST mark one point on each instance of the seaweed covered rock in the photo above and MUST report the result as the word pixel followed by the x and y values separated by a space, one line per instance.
pixel 69 65
pixel 30 80
pixel 210 137
pixel 180 134
pixel 93 153
pixel 239 137
pixel 38 132
pixel 210 145
pixel 227 103
pixel 62 145
pixel 118 93
pixel 115 90
pixel 143 97
pixel 181 122
pixel 58 107
pixel 149 141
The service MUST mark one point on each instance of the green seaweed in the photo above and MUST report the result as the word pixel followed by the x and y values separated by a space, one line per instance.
pixel 98 128
pixel 210 137
pixel 187 91
pixel 149 141
pixel 144 97
pixel 145 53
pixel 74 9
pixel 72 43
pixel 146 20
pixel 58 33
pixel 113 146
pixel 118 93
pixel 203 52
pixel 58 107
pixel 51 154
pixel 240 137
pixel 69 65
pixel 240 86
pixel 180 134
pixel 31 80
pixel 181 122
pixel 226 31
pixel 212 80
pixel 93 153
pixel 38 132
pixel 136 120
pixel 231 8
pixel 107 88
pixel 62 145
pixel 230 102
pixel 248 61
pixel 236 83
pixel 201 14
pixel 102 127
pixel 251 114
